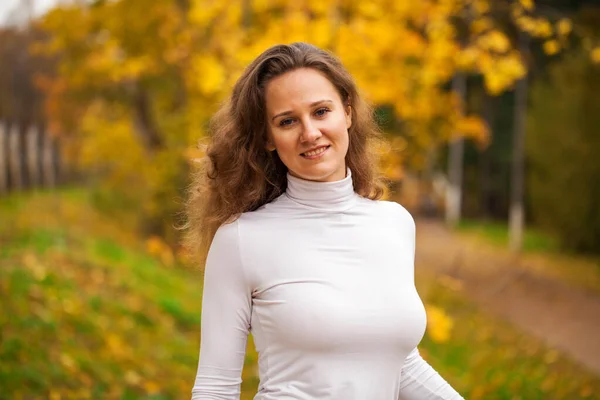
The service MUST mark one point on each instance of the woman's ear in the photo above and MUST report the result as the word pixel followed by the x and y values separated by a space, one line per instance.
pixel 269 145
pixel 348 116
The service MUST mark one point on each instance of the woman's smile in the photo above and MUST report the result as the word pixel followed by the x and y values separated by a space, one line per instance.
pixel 315 153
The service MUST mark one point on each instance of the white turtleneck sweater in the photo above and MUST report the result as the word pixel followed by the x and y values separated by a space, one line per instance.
pixel 324 280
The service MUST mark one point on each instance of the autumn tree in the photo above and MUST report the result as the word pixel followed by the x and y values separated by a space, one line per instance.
pixel 138 80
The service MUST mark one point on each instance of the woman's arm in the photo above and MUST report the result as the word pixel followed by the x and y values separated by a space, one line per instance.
pixel 419 381
pixel 226 311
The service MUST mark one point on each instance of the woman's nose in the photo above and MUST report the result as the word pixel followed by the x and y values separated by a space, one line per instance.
pixel 310 132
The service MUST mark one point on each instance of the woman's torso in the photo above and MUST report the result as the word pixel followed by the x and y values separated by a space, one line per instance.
pixel 334 308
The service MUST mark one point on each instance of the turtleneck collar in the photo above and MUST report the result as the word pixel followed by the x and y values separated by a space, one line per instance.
pixel 330 196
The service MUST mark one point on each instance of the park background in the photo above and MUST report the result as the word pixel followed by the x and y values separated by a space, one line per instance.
pixel 491 114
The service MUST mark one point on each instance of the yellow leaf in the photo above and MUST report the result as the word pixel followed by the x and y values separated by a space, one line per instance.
pixel 595 55
pixel 481 6
pixel 543 28
pixel 439 324
pixel 202 14
pixel 319 7
pixel 158 248
pixel 115 344
pixel 527 4
pixel 208 74
pixel 564 26
pixel 132 378
pixel 551 47
pixel 473 127
pixel 502 72
pixel 320 33
pixel 481 25
pixel 38 269
pixel 468 57
pixel 154 245
pixel 496 41
pixel 69 306
pixel 526 23
pixel 151 387
pixel 67 362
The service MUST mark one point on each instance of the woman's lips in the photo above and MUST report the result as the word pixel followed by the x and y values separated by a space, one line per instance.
pixel 317 153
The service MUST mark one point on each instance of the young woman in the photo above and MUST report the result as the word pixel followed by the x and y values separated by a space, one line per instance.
pixel 302 254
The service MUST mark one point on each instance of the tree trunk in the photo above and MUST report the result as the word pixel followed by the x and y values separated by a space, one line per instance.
pixel 485 162
pixel 48 162
pixel 455 161
pixel 144 122
pixel 15 154
pixel 3 157
pixel 59 167
pixel 33 156
pixel 517 212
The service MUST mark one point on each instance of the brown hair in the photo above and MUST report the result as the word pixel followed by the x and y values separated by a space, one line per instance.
pixel 238 174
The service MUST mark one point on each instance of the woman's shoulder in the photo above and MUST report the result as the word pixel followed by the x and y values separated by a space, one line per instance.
pixel 227 232
pixel 273 210
pixel 391 209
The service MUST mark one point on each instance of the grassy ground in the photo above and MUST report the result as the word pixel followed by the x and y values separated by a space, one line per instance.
pixel 84 316
pixel 87 312
pixel 497 233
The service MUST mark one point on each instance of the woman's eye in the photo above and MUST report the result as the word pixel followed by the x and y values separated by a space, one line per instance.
pixel 321 112
pixel 285 122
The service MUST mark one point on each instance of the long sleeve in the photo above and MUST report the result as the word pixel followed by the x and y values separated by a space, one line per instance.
pixel 421 382
pixel 225 322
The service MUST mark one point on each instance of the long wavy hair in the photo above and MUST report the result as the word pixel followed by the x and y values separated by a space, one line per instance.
pixel 238 174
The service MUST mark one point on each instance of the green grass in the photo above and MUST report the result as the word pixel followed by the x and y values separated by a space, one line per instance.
pixel 78 321
pixel 87 313
pixel 84 316
pixel 497 233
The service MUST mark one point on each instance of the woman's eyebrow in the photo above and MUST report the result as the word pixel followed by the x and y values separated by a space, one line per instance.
pixel 315 103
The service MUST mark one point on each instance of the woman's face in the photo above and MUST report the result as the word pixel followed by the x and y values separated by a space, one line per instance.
pixel 308 125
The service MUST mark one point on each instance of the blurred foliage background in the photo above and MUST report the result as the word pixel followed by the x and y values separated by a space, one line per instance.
pixel 491 111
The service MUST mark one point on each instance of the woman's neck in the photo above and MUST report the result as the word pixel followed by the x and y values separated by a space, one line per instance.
pixel 333 196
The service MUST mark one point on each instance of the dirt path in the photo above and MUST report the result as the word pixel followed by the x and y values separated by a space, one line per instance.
pixel 564 316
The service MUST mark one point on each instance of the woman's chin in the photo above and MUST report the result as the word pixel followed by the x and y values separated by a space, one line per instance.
pixel 320 174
